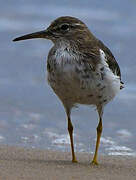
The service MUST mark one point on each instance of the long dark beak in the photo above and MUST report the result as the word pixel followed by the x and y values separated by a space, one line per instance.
pixel 40 34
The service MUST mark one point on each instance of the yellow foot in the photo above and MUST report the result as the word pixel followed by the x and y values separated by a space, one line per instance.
pixel 94 163
pixel 74 161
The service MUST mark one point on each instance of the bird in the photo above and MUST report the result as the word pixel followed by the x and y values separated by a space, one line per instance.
pixel 81 70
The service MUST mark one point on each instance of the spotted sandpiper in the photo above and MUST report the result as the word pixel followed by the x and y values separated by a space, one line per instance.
pixel 81 69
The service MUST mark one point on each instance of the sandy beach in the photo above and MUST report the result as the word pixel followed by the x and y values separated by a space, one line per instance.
pixel 32 164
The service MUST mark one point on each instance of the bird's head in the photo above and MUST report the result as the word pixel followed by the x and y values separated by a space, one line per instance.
pixel 66 27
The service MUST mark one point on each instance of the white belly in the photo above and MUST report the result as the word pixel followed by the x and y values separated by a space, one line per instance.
pixel 84 89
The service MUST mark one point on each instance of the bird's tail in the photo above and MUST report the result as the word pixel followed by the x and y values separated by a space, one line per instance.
pixel 121 85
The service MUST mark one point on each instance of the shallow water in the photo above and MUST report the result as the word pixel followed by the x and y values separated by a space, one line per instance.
pixel 30 113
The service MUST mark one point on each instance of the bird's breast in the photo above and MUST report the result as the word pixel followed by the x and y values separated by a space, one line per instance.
pixel 75 81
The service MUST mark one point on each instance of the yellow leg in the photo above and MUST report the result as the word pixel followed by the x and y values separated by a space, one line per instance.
pixel 70 130
pixel 99 132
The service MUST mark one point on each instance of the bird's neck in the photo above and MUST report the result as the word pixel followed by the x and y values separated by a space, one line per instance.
pixel 64 52
pixel 62 43
pixel 77 42
pixel 73 48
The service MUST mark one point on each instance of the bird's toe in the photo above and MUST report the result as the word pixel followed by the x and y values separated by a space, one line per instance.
pixel 94 163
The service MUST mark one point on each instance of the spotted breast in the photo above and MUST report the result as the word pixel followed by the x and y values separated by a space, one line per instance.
pixel 76 82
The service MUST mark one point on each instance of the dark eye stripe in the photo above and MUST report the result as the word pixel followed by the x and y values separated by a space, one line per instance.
pixel 65 27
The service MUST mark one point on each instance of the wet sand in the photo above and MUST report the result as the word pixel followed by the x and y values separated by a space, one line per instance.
pixel 32 164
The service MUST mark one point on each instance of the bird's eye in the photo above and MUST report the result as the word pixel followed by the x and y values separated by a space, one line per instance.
pixel 64 27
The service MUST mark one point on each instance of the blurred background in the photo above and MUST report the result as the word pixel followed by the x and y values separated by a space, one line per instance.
pixel 30 113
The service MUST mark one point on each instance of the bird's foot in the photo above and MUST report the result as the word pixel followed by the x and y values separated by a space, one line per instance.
pixel 74 160
pixel 94 162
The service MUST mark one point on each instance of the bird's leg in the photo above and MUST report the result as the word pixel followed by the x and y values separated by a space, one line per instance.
pixel 70 130
pixel 99 132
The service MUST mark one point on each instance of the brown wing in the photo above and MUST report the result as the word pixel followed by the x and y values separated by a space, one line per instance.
pixel 113 65
pixel 91 51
